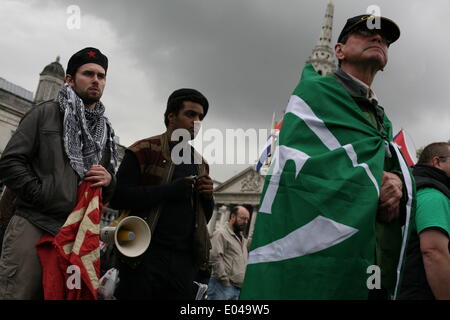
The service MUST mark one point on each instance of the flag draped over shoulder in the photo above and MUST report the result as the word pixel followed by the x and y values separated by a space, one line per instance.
pixel 71 260
pixel 315 232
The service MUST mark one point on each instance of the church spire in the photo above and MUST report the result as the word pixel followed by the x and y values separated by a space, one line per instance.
pixel 322 57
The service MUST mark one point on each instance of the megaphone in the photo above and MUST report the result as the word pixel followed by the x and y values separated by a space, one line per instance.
pixel 131 236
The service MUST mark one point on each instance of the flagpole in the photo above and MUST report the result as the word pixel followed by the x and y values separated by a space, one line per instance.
pixel 269 158
pixel 414 145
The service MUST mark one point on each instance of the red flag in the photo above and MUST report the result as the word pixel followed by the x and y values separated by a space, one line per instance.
pixel 399 139
pixel 74 251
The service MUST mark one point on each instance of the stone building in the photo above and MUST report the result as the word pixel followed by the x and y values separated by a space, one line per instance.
pixel 14 103
pixel 242 189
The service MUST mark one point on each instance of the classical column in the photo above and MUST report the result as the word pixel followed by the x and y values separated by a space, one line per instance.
pixel 213 221
pixel 225 215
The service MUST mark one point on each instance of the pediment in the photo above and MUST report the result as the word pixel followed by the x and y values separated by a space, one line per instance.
pixel 246 181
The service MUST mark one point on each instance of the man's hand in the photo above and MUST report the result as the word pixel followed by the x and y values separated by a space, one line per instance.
pixel 390 195
pixel 204 185
pixel 99 176
pixel 181 188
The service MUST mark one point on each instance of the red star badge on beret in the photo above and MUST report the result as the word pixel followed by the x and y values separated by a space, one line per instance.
pixel 91 54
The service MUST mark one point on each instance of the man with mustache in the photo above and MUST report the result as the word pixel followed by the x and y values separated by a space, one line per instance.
pixel 57 145
pixel 163 180
pixel 362 51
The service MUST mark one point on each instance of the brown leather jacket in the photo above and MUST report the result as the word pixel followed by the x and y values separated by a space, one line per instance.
pixel 157 168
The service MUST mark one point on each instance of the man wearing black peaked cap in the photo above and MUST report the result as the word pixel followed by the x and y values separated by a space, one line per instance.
pixel 362 50
pixel 57 145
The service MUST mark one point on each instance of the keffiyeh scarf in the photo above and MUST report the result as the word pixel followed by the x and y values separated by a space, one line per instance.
pixel 85 132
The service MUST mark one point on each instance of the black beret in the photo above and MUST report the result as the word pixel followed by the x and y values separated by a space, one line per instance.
pixel 389 28
pixel 86 55
pixel 187 95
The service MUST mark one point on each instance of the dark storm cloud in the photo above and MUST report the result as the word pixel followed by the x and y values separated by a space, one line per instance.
pixel 245 55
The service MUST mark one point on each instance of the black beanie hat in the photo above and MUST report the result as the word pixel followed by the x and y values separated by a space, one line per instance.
pixel 86 55
pixel 185 94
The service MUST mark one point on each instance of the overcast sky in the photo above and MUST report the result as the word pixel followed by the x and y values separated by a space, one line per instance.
pixel 244 55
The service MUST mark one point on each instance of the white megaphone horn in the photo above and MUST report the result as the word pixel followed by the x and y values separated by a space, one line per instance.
pixel 131 236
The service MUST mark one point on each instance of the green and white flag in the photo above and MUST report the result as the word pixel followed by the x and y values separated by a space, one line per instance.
pixel 315 231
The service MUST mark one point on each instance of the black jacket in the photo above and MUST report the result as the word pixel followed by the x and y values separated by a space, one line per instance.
pixel 35 166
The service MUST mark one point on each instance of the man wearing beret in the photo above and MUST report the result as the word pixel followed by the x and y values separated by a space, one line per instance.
pixel 163 180
pixel 362 51
pixel 57 145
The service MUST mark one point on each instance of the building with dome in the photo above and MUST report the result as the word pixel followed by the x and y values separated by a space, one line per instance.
pixel 50 81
